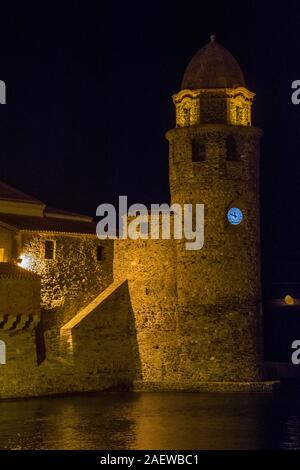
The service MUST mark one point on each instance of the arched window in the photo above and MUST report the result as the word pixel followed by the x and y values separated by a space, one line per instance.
pixel 2 352
pixel 50 248
pixel 239 115
pixel 198 151
pixel 186 112
pixel 231 149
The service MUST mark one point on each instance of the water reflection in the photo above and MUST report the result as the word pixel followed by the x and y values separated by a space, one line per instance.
pixel 152 421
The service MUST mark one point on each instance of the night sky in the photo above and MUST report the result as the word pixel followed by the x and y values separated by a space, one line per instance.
pixel 89 88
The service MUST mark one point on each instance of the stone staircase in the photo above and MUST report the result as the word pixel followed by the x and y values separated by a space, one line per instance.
pixel 66 340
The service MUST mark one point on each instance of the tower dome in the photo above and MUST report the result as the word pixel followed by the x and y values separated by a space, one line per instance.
pixel 213 67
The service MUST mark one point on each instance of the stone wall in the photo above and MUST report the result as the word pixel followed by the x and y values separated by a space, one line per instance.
pixel 218 287
pixel 18 377
pixel 104 343
pixel 20 291
pixel 73 278
pixel 149 267
pixel 19 316
pixel 104 354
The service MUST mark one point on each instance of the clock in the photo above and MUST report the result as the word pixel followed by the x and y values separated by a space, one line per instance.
pixel 234 216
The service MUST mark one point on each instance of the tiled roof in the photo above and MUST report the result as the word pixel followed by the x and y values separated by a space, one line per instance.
pixel 52 212
pixel 48 220
pixel 48 224
pixel 8 193
pixel 213 67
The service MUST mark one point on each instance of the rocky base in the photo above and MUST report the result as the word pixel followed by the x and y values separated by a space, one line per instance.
pixel 207 387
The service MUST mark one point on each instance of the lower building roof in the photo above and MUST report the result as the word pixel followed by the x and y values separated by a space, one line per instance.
pixel 48 224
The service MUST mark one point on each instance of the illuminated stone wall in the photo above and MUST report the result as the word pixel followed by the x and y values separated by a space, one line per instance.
pixel 73 278
pixel 18 377
pixel 230 106
pixel 104 343
pixel 19 316
pixel 219 286
pixel 104 354
pixel 19 293
pixel 149 267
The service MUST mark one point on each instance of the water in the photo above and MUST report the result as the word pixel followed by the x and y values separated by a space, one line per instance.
pixel 152 421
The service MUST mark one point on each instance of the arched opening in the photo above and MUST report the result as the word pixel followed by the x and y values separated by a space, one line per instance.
pixel 231 149
pixel 186 112
pixel 198 151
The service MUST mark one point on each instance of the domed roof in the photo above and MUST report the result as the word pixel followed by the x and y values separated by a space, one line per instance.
pixel 213 67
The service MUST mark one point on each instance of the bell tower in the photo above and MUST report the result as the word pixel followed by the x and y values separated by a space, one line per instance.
pixel 214 160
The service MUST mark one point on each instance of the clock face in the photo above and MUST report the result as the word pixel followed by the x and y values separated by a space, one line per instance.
pixel 235 216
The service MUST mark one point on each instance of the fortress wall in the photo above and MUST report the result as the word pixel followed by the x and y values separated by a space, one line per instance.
pixel 19 295
pixel 149 266
pixel 102 354
pixel 73 278
pixel 19 315
pixel 104 344
pixel 18 377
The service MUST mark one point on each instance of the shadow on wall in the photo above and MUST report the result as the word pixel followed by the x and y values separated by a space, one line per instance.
pixel 104 341
pixel 40 344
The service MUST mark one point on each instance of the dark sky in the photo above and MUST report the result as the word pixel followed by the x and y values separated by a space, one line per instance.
pixel 89 88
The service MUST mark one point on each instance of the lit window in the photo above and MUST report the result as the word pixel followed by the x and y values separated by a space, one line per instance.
pixel 50 249
pixel 100 253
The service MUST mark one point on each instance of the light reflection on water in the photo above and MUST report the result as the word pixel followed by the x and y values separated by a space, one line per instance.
pixel 152 421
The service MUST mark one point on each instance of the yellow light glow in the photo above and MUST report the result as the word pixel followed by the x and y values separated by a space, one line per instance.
pixel 187 108
pixel 289 300
pixel 238 101
pixel 24 262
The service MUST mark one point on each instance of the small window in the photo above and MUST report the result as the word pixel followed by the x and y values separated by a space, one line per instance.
pixel 50 249
pixel 100 253
pixel 231 149
pixel 198 151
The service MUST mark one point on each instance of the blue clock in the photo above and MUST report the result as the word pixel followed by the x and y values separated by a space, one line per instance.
pixel 235 216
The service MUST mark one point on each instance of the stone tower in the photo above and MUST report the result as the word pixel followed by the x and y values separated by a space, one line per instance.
pixel 214 160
